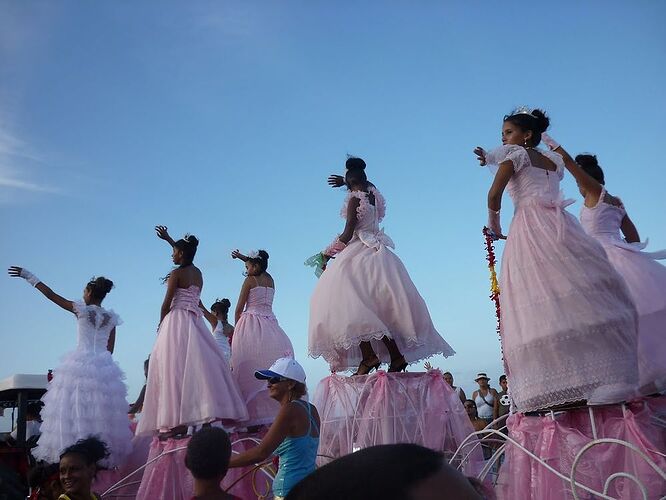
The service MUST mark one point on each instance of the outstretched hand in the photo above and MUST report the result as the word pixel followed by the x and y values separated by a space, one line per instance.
pixel 336 181
pixel 162 233
pixel 14 271
pixel 235 254
pixel 480 155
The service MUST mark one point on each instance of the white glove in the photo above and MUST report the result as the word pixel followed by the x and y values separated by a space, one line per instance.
pixel 549 141
pixel 29 277
pixel 494 222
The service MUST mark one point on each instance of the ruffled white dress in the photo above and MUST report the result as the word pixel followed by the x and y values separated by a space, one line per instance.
pixel 87 395
pixel 365 294
pixel 646 279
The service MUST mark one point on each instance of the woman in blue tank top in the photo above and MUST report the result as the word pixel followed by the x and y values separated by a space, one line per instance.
pixel 294 435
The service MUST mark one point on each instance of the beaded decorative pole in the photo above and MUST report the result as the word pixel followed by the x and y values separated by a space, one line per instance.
pixel 494 285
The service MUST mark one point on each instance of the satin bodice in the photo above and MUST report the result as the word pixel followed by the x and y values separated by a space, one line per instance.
pixel 187 299
pixel 260 301
pixel 94 327
pixel 603 220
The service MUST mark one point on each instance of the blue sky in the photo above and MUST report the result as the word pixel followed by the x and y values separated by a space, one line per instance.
pixel 224 119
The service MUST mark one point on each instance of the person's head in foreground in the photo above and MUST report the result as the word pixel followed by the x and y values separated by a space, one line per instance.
pixel 78 466
pixel 390 472
pixel 207 458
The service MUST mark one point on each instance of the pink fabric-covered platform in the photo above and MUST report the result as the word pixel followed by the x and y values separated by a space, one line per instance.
pixel 557 438
pixel 386 408
pixel 167 478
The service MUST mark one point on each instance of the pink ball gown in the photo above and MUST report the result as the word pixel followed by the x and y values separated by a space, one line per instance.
pixel 189 381
pixel 258 341
pixel 366 294
pixel 646 280
pixel 568 324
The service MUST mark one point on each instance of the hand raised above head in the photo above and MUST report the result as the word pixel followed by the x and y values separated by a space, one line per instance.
pixel 235 254
pixel 162 232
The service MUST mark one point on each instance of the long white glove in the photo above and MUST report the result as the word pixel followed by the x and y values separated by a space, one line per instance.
pixel 549 141
pixel 494 222
pixel 29 277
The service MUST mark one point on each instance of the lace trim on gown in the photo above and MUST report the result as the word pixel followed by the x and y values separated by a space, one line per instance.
pixel 362 210
pixel 97 316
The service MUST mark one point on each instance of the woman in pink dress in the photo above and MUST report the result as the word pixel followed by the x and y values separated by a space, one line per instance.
pixel 189 381
pixel 603 217
pixel 258 339
pixel 568 324
pixel 365 309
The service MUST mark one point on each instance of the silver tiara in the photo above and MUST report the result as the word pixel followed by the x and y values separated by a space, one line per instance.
pixel 523 110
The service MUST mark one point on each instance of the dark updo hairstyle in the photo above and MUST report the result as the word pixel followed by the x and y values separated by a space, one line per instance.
pixel 299 390
pixel 588 162
pixel 208 453
pixel 260 260
pixel 221 306
pixel 536 121
pixel 188 245
pixel 354 163
pixel 92 449
pixel 99 287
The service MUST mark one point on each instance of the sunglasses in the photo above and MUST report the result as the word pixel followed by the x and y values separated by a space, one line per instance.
pixel 276 380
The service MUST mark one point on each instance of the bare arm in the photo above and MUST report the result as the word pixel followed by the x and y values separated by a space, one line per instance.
pixel 352 220
pixel 237 255
pixel 242 299
pixel 463 397
pixel 163 234
pixel 498 186
pixel 277 432
pixel 111 343
pixel 212 319
pixel 138 404
pixel 495 404
pixel 629 230
pixel 170 292
pixel 67 305
pixel 590 185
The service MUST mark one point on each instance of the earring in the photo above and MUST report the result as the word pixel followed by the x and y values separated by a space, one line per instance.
pixel 525 141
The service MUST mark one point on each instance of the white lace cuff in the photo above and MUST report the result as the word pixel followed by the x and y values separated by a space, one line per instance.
pixel 29 277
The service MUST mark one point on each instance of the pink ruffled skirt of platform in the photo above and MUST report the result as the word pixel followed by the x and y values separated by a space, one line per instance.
pixel 167 478
pixel 646 279
pixel 257 343
pixel 569 325
pixel 387 408
pixel 189 380
pixel 557 439
pixel 364 295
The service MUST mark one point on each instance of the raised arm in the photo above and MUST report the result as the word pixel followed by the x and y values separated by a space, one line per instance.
pixel 20 272
pixel 586 182
pixel 237 255
pixel 172 284
pixel 629 230
pixel 336 181
pixel 210 317
pixel 163 234
pixel 242 299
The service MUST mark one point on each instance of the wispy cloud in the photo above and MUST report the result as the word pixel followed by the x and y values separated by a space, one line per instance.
pixel 17 167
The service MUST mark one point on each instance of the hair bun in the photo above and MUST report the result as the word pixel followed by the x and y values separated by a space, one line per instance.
pixel 225 303
pixel 263 254
pixel 542 120
pixel 192 240
pixel 587 160
pixel 354 163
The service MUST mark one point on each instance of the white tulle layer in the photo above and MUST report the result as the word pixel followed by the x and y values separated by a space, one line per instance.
pixel 86 397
